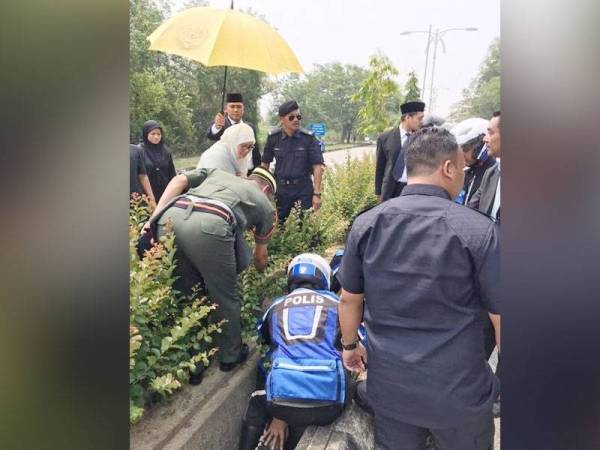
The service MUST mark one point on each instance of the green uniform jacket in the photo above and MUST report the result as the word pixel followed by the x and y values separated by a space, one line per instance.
pixel 252 208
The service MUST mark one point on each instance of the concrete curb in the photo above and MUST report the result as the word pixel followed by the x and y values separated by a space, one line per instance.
pixel 204 417
pixel 353 430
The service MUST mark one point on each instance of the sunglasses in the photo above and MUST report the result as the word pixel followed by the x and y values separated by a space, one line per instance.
pixel 292 117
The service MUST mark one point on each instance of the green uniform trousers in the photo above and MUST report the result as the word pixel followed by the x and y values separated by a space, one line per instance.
pixel 205 246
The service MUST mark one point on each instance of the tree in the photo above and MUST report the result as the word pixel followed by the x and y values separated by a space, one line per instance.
pixel 413 93
pixel 182 94
pixel 482 97
pixel 377 95
pixel 324 95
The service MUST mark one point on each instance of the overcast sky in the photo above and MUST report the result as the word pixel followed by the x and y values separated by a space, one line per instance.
pixel 349 31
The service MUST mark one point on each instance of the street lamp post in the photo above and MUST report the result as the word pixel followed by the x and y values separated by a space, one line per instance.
pixel 437 38
pixel 404 33
pixel 426 58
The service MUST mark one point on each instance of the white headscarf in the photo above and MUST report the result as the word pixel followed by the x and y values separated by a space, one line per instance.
pixel 223 154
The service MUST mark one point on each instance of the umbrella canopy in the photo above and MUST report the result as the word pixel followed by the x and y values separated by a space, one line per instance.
pixel 225 37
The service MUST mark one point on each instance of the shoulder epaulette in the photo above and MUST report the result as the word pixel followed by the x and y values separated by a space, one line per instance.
pixel 274 131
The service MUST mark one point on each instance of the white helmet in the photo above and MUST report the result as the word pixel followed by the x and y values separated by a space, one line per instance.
pixel 469 129
pixel 309 268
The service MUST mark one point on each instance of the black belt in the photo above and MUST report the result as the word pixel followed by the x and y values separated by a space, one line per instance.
pixel 292 181
pixel 209 208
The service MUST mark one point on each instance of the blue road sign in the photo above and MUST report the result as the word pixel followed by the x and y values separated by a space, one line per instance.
pixel 319 129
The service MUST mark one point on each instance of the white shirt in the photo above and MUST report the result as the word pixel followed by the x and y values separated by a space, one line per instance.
pixel 496 205
pixel 403 138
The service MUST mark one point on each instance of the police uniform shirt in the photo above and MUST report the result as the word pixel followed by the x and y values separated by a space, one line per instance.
pixel 302 324
pixel 294 155
pixel 428 268
pixel 251 207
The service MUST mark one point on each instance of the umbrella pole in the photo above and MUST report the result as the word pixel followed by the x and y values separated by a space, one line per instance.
pixel 225 79
pixel 224 88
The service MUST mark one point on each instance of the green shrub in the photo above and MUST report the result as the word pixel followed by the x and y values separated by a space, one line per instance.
pixel 348 189
pixel 169 334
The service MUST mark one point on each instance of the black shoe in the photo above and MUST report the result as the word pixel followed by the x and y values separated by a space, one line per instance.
pixel 226 367
pixel 196 376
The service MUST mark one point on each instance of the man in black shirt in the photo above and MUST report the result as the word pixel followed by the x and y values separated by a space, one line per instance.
pixel 428 268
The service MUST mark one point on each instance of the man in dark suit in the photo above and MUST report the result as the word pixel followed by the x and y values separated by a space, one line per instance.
pixel 487 197
pixel 487 200
pixel 390 176
pixel 234 111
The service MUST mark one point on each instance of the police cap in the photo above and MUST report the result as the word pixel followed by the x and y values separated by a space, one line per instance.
pixel 288 107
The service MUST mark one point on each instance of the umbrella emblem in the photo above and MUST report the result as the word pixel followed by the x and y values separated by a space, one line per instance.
pixel 190 38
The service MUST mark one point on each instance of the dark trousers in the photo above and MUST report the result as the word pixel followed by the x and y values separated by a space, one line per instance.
pixel 476 434
pixel 361 398
pixel 393 190
pixel 289 195
pixel 258 414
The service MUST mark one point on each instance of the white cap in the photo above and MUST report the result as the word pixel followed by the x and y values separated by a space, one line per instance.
pixel 469 129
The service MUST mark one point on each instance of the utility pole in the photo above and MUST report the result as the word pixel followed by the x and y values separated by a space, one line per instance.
pixel 437 38
pixel 426 61
pixel 435 46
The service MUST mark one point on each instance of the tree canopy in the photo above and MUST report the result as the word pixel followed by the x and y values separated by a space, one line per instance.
pixel 181 94
pixel 378 96
pixel 324 95
pixel 411 88
pixel 482 97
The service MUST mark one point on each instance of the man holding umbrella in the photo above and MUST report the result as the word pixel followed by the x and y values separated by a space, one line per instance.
pixel 233 114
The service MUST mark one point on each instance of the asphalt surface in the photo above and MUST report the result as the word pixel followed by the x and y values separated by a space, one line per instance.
pixel 339 156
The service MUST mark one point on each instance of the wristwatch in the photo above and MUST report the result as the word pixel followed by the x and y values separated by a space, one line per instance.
pixel 350 346
pixel 318 194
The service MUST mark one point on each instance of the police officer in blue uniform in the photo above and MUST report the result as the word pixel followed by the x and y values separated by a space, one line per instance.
pixel 306 383
pixel 297 155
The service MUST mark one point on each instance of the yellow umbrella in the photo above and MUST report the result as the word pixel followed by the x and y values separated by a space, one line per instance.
pixel 225 37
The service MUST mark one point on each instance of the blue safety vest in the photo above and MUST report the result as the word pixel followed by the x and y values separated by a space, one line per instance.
pixel 306 368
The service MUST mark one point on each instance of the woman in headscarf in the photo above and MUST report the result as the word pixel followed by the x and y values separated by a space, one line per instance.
pixel 157 158
pixel 229 153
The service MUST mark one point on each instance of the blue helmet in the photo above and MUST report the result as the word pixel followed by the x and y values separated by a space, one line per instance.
pixel 309 268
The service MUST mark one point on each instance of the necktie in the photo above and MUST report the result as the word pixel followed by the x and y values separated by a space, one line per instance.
pixel 399 169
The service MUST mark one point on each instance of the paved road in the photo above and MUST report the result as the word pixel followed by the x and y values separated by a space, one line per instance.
pixel 339 156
